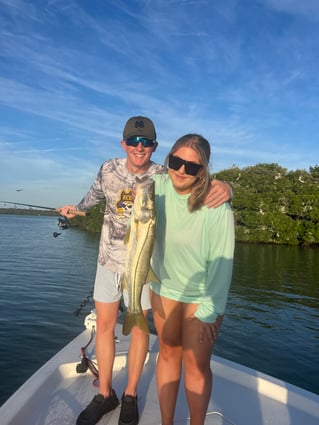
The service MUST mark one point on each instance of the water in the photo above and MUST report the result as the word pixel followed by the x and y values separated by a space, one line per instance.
pixel 43 280
pixel 272 315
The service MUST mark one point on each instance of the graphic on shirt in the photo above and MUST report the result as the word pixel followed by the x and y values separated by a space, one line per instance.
pixel 124 204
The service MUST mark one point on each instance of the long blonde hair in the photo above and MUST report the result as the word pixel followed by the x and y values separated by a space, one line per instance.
pixel 200 188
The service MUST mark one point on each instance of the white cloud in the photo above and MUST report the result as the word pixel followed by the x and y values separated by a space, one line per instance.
pixel 71 74
pixel 306 8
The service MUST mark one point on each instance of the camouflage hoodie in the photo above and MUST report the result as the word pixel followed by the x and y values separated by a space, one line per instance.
pixel 114 183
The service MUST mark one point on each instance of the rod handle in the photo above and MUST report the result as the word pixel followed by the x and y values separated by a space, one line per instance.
pixel 75 212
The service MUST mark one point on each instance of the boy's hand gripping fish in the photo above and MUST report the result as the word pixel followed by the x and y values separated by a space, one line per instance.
pixel 140 240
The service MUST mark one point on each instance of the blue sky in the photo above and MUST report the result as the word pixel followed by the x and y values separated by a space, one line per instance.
pixel 243 73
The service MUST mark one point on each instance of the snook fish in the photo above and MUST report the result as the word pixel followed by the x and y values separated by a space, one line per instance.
pixel 140 240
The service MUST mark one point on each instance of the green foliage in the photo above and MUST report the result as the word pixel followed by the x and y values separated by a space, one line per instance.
pixel 93 222
pixel 272 205
pixel 27 211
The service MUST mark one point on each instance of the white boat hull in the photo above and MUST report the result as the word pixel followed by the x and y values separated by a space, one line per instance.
pixel 56 393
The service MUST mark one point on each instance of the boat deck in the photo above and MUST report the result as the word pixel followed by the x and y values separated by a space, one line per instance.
pixel 56 394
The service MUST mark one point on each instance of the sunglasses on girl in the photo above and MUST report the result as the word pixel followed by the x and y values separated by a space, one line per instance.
pixel 134 141
pixel 191 168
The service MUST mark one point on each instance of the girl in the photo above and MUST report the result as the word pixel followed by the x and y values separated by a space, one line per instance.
pixel 193 259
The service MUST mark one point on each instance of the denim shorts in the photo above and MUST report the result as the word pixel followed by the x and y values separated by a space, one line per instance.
pixel 107 288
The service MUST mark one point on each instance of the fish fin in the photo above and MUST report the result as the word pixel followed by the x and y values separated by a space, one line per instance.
pixel 127 235
pixel 151 276
pixel 132 320
pixel 123 283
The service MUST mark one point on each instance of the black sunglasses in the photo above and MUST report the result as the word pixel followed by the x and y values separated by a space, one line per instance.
pixel 134 141
pixel 191 168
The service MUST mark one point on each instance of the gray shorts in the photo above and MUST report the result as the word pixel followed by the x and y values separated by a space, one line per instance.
pixel 107 288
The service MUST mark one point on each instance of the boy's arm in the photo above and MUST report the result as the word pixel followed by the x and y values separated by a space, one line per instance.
pixel 220 192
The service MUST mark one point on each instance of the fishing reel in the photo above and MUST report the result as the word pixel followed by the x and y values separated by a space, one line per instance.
pixel 63 224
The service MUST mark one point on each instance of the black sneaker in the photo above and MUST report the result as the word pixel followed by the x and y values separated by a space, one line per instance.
pixel 98 407
pixel 129 411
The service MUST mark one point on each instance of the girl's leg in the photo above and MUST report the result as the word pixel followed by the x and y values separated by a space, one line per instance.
pixel 196 359
pixel 167 316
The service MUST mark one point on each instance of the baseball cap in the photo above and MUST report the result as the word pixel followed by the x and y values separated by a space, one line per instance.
pixel 139 126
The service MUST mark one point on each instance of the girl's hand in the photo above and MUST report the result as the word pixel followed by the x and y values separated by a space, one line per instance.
pixel 208 331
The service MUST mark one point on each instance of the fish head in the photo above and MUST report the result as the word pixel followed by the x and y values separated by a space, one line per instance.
pixel 144 201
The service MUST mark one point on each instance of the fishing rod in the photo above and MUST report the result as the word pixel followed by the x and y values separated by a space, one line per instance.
pixel 74 212
pixel 62 223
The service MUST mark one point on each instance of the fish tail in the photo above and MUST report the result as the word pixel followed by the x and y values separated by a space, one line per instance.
pixel 134 319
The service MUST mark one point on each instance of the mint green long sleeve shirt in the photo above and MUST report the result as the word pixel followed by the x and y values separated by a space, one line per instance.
pixel 193 252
